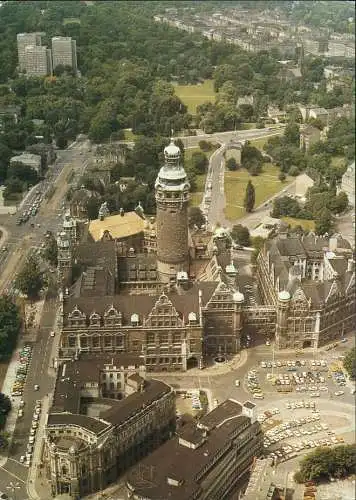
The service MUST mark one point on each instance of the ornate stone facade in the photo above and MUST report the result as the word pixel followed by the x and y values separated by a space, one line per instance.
pixel 89 439
pixel 311 283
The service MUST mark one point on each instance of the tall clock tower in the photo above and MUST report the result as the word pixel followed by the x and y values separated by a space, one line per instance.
pixel 172 197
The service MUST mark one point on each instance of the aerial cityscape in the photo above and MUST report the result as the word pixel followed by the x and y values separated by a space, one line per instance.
pixel 177 250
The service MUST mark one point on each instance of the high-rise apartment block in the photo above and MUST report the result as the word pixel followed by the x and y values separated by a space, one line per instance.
pixel 64 52
pixel 24 40
pixel 38 61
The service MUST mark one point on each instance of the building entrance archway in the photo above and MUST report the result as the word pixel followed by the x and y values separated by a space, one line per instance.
pixel 192 363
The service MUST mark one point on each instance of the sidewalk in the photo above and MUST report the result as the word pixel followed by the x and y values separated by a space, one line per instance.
pixel 36 488
pixel 210 371
pixel 15 401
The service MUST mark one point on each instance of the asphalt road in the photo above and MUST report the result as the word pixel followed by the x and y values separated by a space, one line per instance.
pixel 21 240
pixel 214 200
pixel 22 237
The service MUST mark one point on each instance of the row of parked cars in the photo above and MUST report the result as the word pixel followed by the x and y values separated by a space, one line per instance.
pixel 291 429
pixel 290 451
pixel 300 404
pixel 27 458
pixel 31 210
pixel 254 385
pixel 21 372
pixel 267 414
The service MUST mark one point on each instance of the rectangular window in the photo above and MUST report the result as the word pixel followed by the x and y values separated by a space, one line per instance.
pixel 163 338
pixel 150 338
pixel 71 341
pixel 177 338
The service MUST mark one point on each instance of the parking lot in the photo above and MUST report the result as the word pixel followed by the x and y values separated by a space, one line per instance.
pixel 309 377
pixel 293 428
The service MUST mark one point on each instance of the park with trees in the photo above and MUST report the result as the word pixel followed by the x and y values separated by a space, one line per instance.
pixel 324 464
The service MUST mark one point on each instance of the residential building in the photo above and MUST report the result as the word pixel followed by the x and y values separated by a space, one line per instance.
pixel 302 183
pixel 11 110
pixel 208 459
pixel 64 52
pixel 320 114
pixel 274 113
pixel 38 61
pixel 348 183
pixel 309 135
pixel 105 416
pixel 24 40
pixel 28 159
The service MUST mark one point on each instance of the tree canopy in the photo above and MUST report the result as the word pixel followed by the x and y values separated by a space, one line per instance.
pixel 350 363
pixel 325 463
pixel 10 325
pixel 30 279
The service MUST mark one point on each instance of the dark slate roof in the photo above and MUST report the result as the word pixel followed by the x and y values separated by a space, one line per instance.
pixel 185 301
pixel 131 405
pixel 181 463
pixel 102 253
pixel 290 246
pixel 339 266
pixel 140 267
pixel 95 282
pixel 91 424
pixel 227 409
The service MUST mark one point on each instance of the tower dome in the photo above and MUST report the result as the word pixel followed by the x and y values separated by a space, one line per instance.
pixel 284 295
pixel 238 297
pixel 172 152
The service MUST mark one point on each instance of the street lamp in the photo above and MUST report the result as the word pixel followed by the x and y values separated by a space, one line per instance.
pixel 13 487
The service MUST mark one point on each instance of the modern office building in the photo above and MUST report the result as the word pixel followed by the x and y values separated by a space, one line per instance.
pixel 64 52
pixel 24 40
pixel 38 61
pixel 208 459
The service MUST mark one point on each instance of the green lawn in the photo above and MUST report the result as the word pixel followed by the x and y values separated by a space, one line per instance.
pixel 307 225
pixel 129 136
pixel 266 185
pixel 193 95
pixel 259 143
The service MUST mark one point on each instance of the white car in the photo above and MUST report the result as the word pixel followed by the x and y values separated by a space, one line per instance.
pixel 22 459
pixel 36 387
pixel 52 334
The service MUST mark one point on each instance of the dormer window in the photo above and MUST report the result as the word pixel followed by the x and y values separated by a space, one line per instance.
pixel 94 319
pixel 192 318
pixel 134 319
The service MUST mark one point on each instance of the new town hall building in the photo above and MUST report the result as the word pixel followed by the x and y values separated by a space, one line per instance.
pixel 173 296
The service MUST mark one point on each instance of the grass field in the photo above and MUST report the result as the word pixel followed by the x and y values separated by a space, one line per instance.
pixel 307 225
pixel 129 135
pixel 193 95
pixel 266 185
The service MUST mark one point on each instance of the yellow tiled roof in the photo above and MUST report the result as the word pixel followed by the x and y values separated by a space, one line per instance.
pixel 117 225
